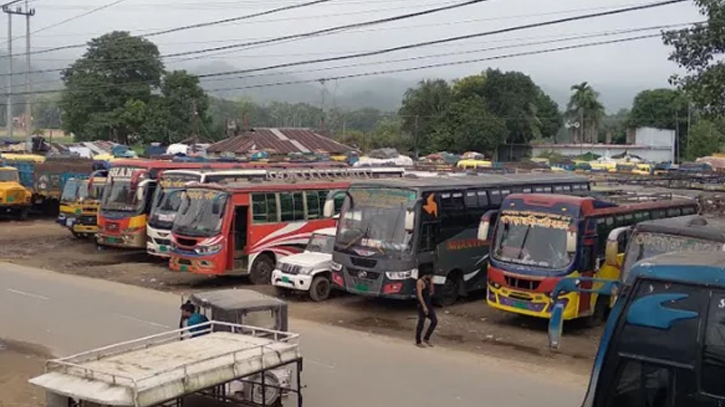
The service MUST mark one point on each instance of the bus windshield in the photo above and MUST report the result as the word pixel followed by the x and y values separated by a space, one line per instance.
pixel 375 219
pixel 644 245
pixel 69 190
pixel 82 190
pixel 535 239
pixel 200 213
pixel 8 175
pixel 119 196
pixel 166 205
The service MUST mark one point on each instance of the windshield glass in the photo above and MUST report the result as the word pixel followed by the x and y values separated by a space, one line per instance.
pixel 69 190
pixel 166 205
pixel 644 245
pixel 201 213
pixel 82 192
pixel 536 239
pixel 376 219
pixel 97 190
pixel 320 244
pixel 8 176
pixel 119 196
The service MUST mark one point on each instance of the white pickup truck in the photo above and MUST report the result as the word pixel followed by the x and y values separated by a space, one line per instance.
pixel 310 270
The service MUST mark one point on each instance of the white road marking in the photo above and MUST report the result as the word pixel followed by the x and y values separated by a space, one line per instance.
pixel 143 321
pixel 23 293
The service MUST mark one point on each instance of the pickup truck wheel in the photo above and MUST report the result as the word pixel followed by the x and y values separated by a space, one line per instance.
pixel 320 288
pixel 262 269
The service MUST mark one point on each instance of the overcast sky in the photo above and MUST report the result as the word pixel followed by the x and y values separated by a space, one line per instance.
pixel 635 65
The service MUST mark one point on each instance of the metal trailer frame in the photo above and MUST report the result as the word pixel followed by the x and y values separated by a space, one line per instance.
pixel 73 366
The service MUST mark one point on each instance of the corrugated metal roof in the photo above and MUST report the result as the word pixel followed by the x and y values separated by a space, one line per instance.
pixel 280 141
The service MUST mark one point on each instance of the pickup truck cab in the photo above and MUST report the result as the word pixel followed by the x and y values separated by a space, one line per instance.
pixel 310 270
pixel 14 198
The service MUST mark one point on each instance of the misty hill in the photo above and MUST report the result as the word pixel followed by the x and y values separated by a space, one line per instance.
pixel 40 81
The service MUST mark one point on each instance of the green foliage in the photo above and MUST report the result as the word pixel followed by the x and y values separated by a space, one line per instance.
pixel 616 126
pixel 467 125
pixel 706 137
pixel 422 108
pixel 46 113
pixel 698 50
pixel 584 108
pixel 659 108
pixel 118 90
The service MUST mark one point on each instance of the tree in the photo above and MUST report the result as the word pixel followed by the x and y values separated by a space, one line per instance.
pixel 659 108
pixel 422 108
pixel 698 49
pixel 468 125
pixel 706 137
pixel 115 69
pixel 584 108
pixel 613 127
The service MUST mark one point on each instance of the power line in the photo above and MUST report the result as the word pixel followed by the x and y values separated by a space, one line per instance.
pixel 332 30
pixel 450 39
pixel 409 69
pixel 192 26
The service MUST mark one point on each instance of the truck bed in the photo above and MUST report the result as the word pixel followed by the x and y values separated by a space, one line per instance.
pixel 155 369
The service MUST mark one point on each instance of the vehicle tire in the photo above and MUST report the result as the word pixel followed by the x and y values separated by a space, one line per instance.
pixel 320 288
pixel 273 394
pixel 261 272
pixel 449 293
pixel 599 316
pixel 282 291
pixel 23 214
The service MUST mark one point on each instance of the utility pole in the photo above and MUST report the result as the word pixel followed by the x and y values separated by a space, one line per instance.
pixel 195 118
pixel 28 112
pixel 28 12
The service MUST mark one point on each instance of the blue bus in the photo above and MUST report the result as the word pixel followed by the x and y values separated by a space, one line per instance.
pixel 664 342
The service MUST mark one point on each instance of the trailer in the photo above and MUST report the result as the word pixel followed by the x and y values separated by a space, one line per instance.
pixel 225 362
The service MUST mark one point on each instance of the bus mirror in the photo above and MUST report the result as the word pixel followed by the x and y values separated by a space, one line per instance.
pixel 409 220
pixel 329 210
pixel 483 229
pixel 610 254
pixel 570 241
pixel 556 326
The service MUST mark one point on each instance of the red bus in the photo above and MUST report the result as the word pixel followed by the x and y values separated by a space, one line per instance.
pixel 540 239
pixel 244 228
pixel 128 195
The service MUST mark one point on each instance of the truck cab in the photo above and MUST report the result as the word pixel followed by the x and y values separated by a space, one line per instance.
pixel 14 198
pixel 310 270
pixel 664 341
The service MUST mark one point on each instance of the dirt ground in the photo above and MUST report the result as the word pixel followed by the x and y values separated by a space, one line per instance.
pixel 18 363
pixel 469 325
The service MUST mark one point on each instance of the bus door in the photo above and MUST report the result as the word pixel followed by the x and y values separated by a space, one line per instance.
pixel 237 240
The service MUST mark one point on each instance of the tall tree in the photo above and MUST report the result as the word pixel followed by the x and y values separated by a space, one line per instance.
pixel 468 125
pixel 706 137
pixel 699 50
pixel 659 108
pixel 584 108
pixel 182 98
pixel 421 109
pixel 116 71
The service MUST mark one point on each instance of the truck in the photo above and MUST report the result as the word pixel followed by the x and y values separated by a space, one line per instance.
pixel 663 344
pixel 308 271
pixel 14 197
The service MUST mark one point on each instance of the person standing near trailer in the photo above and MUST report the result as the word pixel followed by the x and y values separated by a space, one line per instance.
pixel 424 293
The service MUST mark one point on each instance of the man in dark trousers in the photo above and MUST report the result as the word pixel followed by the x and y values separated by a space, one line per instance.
pixel 424 293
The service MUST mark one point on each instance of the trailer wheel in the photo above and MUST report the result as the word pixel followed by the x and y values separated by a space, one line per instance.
pixel 320 288
pixel 261 272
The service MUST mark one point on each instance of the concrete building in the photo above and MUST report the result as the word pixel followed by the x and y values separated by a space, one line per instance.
pixel 656 145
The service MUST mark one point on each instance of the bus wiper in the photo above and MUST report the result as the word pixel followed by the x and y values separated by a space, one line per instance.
pixel 523 243
pixel 364 235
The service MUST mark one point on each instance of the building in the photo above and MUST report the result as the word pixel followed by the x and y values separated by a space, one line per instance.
pixel 280 141
pixel 655 145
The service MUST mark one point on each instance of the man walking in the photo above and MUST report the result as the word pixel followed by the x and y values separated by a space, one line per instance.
pixel 424 290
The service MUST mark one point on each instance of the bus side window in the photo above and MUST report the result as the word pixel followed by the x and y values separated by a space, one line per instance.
pixel 264 208
pixel 638 384
pixel 313 205
pixel 291 207
pixel 713 369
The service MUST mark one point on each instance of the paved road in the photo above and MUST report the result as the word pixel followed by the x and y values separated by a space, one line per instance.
pixel 342 367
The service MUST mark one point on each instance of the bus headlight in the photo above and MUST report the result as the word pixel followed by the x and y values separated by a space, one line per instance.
pixel 402 275
pixel 336 266
pixel 208 249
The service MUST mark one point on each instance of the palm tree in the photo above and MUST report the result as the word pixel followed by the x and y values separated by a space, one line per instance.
pixel 584 108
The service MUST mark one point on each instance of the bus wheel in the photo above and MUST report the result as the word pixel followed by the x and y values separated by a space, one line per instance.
pixel 600 312
pixel 262 268
pixel 320 288
pixel 77 235
pixel 449 293
pixel 23 215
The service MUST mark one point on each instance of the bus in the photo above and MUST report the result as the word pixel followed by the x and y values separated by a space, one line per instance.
pixel 167 196
pixel 244 228
pixel 392 230
pixel 86 206
pixel 127 197
pixel 629 244
pixel 664 341
pixel 539 239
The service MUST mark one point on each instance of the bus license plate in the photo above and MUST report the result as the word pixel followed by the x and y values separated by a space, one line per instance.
pixel 361 287
pixel 111 240
pixel 520 305
pixel 163 249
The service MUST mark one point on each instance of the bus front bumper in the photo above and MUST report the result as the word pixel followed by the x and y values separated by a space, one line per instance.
pixel 379 287
pixel 126 240
pixel 532 304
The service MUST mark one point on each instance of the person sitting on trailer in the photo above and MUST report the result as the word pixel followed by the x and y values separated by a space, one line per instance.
pixel 193 319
